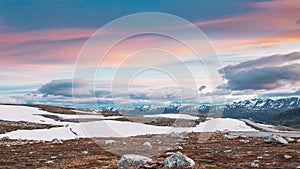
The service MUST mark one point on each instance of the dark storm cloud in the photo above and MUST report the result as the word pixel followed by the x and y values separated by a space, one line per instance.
pixel 83 92
pixel 262 62
pixel 264 73
pixel 64 87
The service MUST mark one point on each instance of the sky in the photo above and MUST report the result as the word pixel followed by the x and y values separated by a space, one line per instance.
pixel 50 51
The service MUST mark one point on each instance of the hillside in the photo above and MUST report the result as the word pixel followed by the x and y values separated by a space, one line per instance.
pixel 289 118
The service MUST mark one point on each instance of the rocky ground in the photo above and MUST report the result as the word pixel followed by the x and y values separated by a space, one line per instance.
pixel 207 150
pixel 216 152
pixel 7 126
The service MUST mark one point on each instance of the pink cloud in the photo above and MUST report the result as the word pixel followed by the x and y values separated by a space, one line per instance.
pixel 46 46
pixel 279 15
pixel 15 36
pixel 269 22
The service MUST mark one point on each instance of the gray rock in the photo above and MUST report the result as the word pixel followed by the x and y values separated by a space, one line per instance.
pixel 85 153
pixel 49 162
pixel 227 151
pixel 287 156
pixel 289 139
pixel 169 153
pixel 5 138
pixel 57 141
pixel 110 142
pixel 176 148
pixel 274 138
pixel 254 165
pixel 147 144
pixel 176 135
pixel 245 141
pixel 128 160
pixel 179 160
pixel 243 136
pixel 225 137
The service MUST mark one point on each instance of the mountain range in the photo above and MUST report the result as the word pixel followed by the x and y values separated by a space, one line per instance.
pixel 257 109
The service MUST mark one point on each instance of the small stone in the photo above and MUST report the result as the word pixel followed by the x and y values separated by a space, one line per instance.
pixel 256 161
pixel 85 153
pixel 225 137
pixel 289 139
pixel 176 148
pixel 169 153
pixel 254 165
pixel 128 160
pixel 175 135
pixel 147 144
pixel 160 149
pixel 243 136
pixel 5 138
pixel 244 141
pixel 53 157
pixel 287 156
pixel 57 141
pixel 218 131
pixel 49 162
pixel 259 157
pixel 227 151
pixel 268 164
pixel 298 141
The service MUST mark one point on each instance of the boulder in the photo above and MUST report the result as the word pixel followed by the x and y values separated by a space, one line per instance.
pixel 179 160
pixel 274 138
pixel 110 142
pixel 128 160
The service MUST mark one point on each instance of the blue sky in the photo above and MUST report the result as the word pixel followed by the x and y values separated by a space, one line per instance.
pixel 40 42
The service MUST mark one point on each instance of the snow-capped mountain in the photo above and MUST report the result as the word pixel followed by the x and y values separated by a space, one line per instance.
pixel 259 109
pixel 267 103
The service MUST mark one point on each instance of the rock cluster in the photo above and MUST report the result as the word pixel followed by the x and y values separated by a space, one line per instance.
pixel 177 160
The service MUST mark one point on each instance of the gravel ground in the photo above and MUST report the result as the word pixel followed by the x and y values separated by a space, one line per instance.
pixel 212 153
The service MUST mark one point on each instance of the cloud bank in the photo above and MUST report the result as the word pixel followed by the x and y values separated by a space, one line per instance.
pixel 266 73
